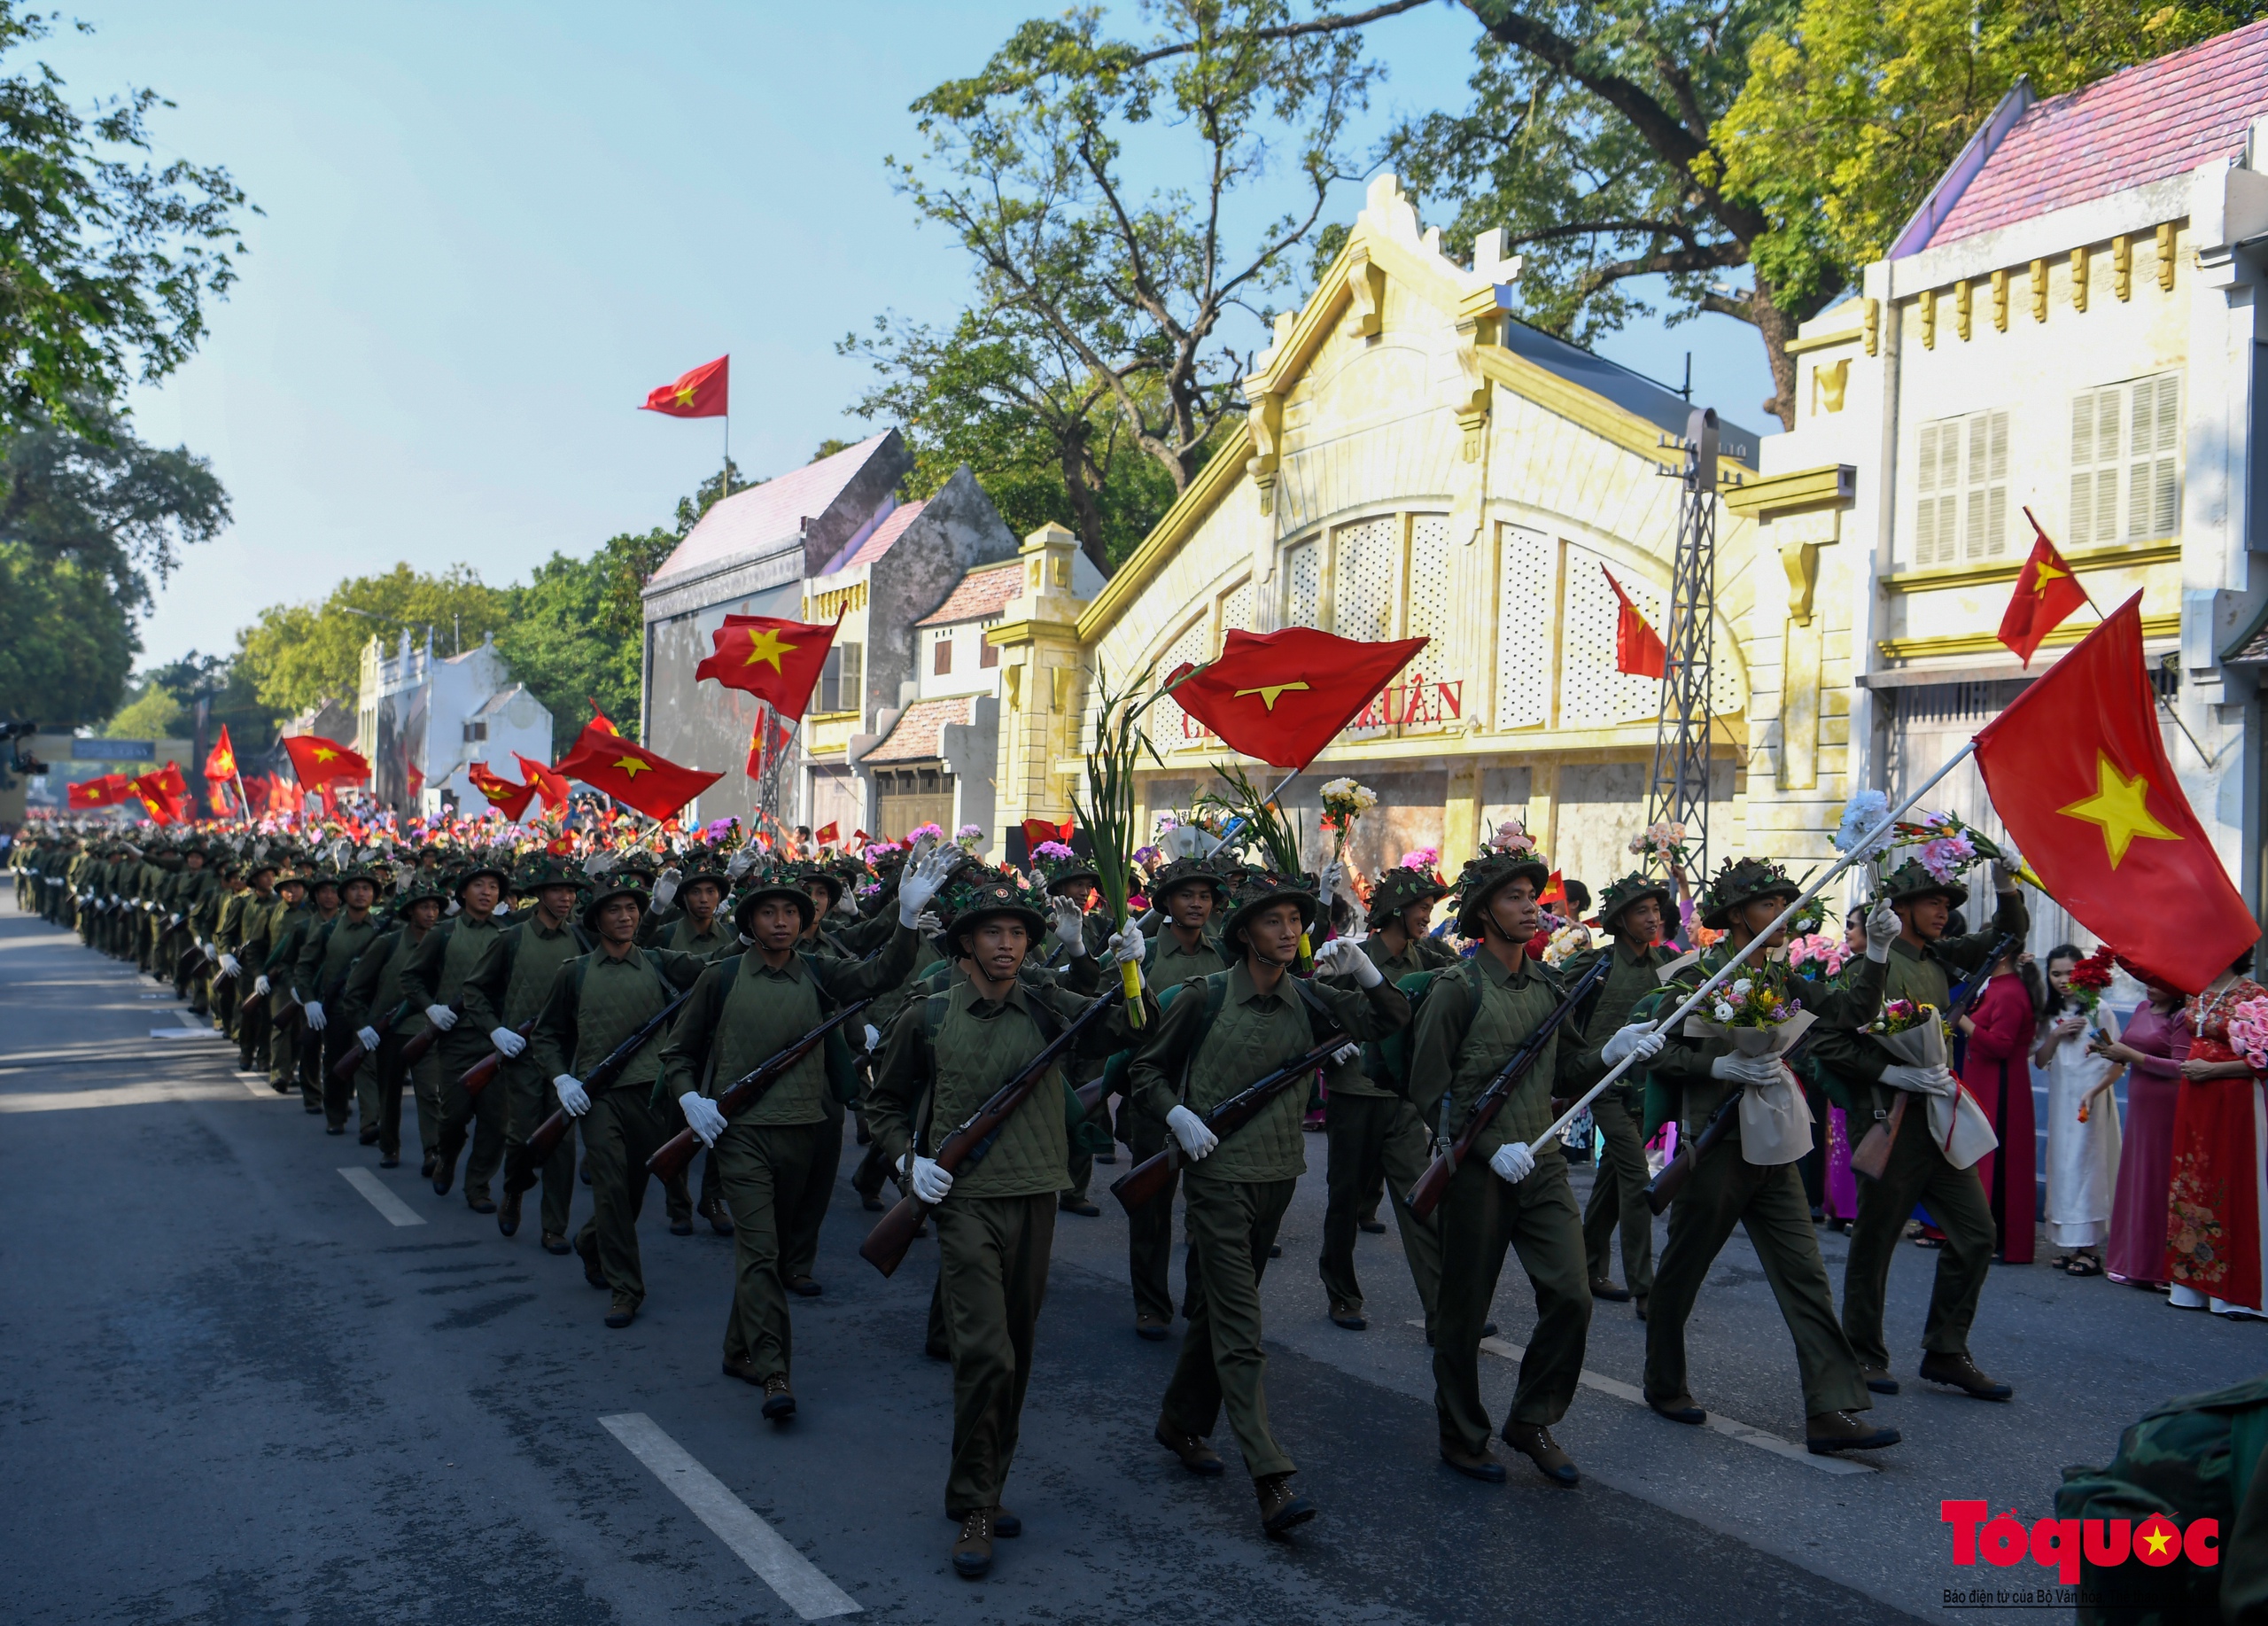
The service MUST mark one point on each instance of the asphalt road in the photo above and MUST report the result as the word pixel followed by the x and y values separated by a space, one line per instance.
pixel 238 1391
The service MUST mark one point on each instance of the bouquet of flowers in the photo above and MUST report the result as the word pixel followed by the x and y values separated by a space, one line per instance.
pixel 1761 1017
pixel 1915 1034
pixel 2249 1032
pixel 1343 802
pixel 1950 844
pixel 2090 977
pixel 1512 836
pixel 1570 939
pixel 1760 1000
pixel 1862 828
pixel 1664 839
pixel 1817 955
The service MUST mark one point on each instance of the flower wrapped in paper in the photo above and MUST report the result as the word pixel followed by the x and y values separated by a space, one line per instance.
pixel 1758 1014
pixel 1915 1034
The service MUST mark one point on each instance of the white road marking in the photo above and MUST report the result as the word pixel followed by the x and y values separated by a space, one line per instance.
pixel 121 1095
pixel 185 1033
pixel 382 1197
pixel 1504 1349
pixel 799 1582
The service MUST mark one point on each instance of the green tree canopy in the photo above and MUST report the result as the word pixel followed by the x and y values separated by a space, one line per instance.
pixel 298 656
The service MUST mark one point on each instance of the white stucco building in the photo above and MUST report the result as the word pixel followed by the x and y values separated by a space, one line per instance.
pixel 422 719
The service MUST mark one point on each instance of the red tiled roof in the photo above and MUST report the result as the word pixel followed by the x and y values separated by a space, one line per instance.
pixel 980 594
pixel 878 540
pixel 919 733
pixel 2144 123
pixel 766 519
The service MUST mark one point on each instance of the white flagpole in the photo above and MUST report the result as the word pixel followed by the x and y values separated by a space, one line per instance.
pixel 1866 852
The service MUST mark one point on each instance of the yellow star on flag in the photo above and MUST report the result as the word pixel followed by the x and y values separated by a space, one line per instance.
pixel 2042 573
pixel 684 394
pixel 766 644
pixel 2120 807
pixel 324 754
pixel 632 767
pixel 1270 693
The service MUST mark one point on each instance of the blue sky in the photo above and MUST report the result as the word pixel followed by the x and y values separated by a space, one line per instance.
pixel 491 228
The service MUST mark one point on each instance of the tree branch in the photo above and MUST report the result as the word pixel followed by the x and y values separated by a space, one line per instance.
pixel 1335 23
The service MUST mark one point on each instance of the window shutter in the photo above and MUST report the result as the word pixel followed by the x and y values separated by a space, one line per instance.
pixel 1996 490
pixel 1925 509
pixel 2079 522
pixel 1303 585
pixel 2154 432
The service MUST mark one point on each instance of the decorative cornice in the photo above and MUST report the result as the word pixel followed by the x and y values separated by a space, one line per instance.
pixel 1827 486
pixel 1821 341
pixel 1980 643
pixel 2008 570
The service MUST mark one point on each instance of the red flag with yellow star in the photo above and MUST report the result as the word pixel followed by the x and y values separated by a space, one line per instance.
pixel 1638 648
pixel 702 392
pixel 221 761
pixel 779 662
pixel 2048 591
pixel 507 798
pixel 1282 696
pixel 104 791
pixel 2078 771
pixel 318 761
pixel 632 775
pixel 543 782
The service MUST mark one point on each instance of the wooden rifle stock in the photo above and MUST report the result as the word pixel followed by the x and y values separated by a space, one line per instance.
pixel 1142 1184
pixel 1662 1190
pixel 343 1068
pixel 414 1050
pixel 885 1246
pixel 1433 1185
pixel 1871 1156
pixel 520 1169
pixel 481 1073
pixel 749 1089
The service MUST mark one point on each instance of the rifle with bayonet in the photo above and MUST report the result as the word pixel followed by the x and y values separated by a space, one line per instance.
pixel 885 1246
pixel 1433 1185
pixel 520 1170
pixel 749 1089
pixel 1141 1184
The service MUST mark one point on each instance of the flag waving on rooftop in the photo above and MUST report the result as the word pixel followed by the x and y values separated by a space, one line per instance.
pixel 702 392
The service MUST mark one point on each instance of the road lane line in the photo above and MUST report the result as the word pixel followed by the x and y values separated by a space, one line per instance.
pixel 381 1198
pixel 1505 1350
pixel 799 1582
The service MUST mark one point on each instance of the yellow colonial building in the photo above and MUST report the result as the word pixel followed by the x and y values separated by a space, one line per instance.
pixel 1417 464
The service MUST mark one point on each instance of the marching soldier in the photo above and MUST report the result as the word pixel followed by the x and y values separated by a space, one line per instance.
pixel 504 995
pixel 228 931
pixel 1474 1018
pixel 946 1056
pixel 319 977
pixel 289 921
pixel 746 1007
pixel 434 981
pixel 1371 1130
pixel 1216 1038
pixel 1188 892
pixel 1921 960
pixel 1758 1188
pixel 374 993
pixel 597 1001
pixel 1634 913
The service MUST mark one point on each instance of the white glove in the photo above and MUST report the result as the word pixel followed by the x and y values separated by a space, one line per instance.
pixel 923 878
pixel 701 1116
pixel 1922 1080
pixel 1070 925
pixel 1748 1071
pixel 1343 957
pixel 174 919
pixel 1128 946
pixel 313 1008
pixel 259 987
pixel 873 1038
pixel 368 1037
pixel 2004 875
pixel 1345 1054
pixel 930 1182
pixel 1513 1162
pixel 507 1042
pixel 229 964
pixel 665 886
pixel 928 923
pixel 1332 882
pixel 574 1099
pixel 441 1016
pixel 1639 1040
pixel 1882 930
pixel 1189 1129
pixel 846 902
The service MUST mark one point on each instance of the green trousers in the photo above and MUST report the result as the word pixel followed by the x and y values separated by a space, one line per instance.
pixel 312 1045
pixel 528 1099
pixel 802 1218
pixel 992 1255
pixel 1728 1190
pixel 1917 1173
pixel 764 1168
pixel 252 1034
pixel 1232 1225
pixel 1619 1198
pixel 620 1132
pixel 377 1086
pixel 482 1116
pixel 1481 1217
pixel 283 1051
pixel 1370 1137
pixel 337 1094
pixel 222 993
pixel 1149 1229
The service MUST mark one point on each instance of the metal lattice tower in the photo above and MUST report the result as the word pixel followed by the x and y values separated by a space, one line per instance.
pixel 1679 787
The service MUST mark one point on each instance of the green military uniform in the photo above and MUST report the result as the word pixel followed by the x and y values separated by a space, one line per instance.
pixel 1727 1190
pixel 596 1001
pixel 1917 1171
pixel 1372 1132
pixel 1619 1191
pixel 1236 1197
pixel 227 933
pixel 681 935
pixel 374 995
pixel 288 929
pixel 1474 1017
pixel 507 990
pixel 255 937
pixel 742 1011
pixel 319 977
pixel 434 975
pixel 945 1056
